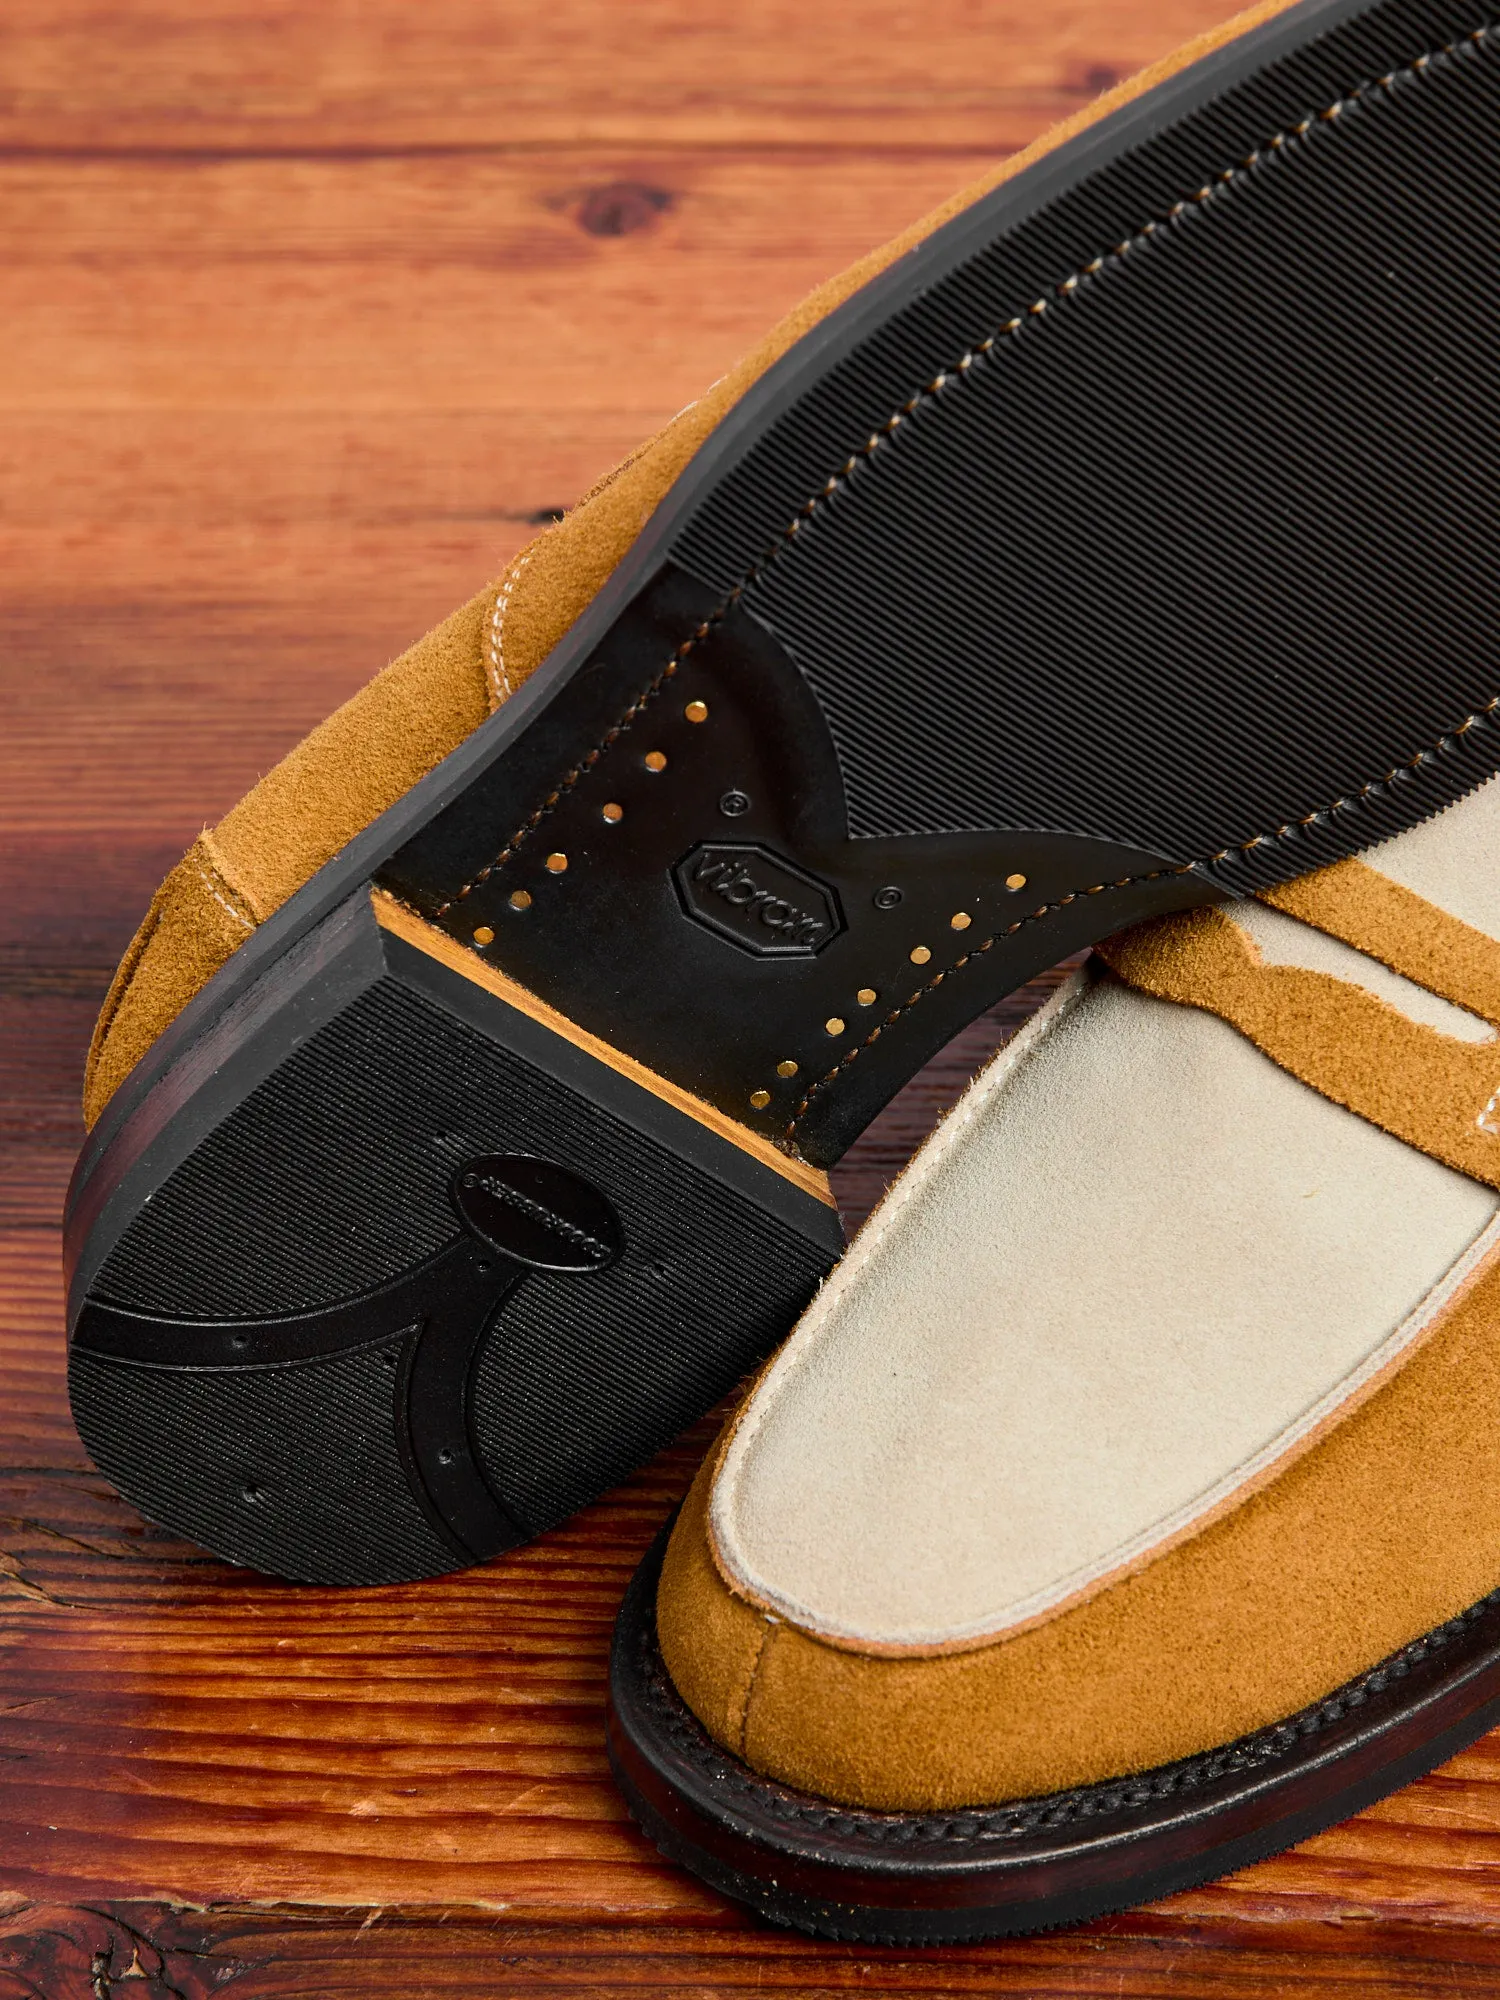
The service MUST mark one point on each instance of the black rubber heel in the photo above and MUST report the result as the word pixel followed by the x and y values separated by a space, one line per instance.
pixel 422 1274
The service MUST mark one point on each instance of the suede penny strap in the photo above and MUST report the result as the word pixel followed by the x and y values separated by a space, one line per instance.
pixel 1436 1092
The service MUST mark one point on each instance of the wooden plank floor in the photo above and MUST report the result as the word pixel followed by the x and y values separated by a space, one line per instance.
pixel 308 312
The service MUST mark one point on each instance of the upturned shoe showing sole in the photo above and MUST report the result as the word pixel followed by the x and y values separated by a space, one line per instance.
pixel 1125 1507
pixel 1117 548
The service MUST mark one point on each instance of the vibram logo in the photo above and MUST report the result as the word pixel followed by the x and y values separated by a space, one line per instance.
pixel 757 900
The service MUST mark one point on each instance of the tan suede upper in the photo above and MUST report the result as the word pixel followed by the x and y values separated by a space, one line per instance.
pixel 376 747
pixel 1374 1521
pixel 1361 1545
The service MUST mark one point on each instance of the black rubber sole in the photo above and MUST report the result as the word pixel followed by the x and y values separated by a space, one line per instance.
pixel 1122 548
pixel 434 1278
pixel 912 1878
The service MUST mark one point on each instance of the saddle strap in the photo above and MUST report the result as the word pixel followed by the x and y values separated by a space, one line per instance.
pixel 1432 1090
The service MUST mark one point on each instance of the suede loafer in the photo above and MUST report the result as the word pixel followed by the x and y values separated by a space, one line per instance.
pixel 1111 544
pixel 1125 1507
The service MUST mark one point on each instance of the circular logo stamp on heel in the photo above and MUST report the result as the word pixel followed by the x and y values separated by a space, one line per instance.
pixel 536 1212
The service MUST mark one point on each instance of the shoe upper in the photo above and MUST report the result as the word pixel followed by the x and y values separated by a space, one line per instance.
pixel 1160 1396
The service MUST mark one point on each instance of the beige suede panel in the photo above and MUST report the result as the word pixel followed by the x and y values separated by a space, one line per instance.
pixel 1382 1531
pixel 376 747
pixel 1132 1273
pixel 1432 1090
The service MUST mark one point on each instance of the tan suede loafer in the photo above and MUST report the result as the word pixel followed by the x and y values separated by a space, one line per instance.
pixel 1128 1505
pixel 1112 543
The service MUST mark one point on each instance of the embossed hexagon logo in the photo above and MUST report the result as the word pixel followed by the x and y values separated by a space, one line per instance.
pixel 762 903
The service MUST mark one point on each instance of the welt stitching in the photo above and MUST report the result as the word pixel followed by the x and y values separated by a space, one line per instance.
pixel 223 902
pixel 586 763
pixel 1060 294
pixel 974 951
pixel 984 1824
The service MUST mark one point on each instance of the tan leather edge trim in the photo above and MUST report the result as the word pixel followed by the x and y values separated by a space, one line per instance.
pixel 1339 1039
pixel 395 917
pixel 1394 1353
pixel 1384 919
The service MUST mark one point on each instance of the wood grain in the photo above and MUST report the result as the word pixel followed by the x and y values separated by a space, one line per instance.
pixel 311 314
pixel 872 76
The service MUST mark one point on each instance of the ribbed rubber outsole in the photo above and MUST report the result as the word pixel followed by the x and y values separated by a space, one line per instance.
pixel 926 1878
pixel 1120 549
pixel 1134 557
pixel 432 1278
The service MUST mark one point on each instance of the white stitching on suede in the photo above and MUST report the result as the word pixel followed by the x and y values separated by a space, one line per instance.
pixel 223 903
pixel 495 673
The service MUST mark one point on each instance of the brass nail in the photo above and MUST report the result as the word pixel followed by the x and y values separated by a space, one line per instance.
pixel 960 920
pixel 921 955
pixel 556 863
pixel 867 996
pixel 696 711
pixel 484 935
pixel 1015 881
pixel 760 1099
pixel 834 1025
pixel 520 899
pixel 613 813
pixel 787 1068
pixel 655 761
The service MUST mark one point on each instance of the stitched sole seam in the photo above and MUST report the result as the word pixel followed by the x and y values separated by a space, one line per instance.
pixel 983 1826
pixel 1289 140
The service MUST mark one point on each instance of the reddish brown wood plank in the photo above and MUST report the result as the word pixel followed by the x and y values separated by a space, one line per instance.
pixel 227 503
pixel 296 1955
pixel 473 73
pixel 515 282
